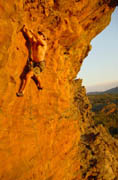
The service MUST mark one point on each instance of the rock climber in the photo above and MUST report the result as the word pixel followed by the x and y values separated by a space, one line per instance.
pixel 36 60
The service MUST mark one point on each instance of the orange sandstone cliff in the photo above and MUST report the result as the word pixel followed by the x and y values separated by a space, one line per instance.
pixel 50 135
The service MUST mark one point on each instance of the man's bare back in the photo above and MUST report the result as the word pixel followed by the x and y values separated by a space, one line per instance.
pixel 38 51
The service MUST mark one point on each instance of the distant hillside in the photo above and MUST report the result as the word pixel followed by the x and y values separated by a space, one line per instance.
pixel 105 110
pixel 112 91
pixel 109 91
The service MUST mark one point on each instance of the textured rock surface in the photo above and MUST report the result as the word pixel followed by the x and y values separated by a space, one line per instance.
pixel 98 151
pixel 40 133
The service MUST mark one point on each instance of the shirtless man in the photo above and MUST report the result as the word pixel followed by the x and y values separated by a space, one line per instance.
pixel 36 61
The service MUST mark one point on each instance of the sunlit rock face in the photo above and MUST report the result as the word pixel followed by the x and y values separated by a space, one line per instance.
pixel 41 133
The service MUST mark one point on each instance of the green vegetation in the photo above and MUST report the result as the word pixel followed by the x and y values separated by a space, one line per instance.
pixel 105 108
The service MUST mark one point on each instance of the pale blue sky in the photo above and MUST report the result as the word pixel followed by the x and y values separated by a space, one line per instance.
pixel 100 68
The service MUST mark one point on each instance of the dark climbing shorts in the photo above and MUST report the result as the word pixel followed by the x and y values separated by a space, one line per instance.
pixel 36 67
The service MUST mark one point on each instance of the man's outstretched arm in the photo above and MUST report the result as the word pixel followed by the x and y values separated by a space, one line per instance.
pixel 34 37
pixel 38 38
pixel 29 33
pixel 41 41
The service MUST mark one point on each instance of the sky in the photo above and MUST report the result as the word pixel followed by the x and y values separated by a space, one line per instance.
pixel 100 69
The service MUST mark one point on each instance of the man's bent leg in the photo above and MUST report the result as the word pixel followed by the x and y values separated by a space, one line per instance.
pixel 38 84
pixel 24 83
pixel 27 80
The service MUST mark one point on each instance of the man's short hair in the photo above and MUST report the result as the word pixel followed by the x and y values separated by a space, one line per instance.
pixel 40 33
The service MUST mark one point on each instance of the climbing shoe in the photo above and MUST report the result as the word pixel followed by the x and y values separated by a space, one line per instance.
pixel 39 88
pixel 19 94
